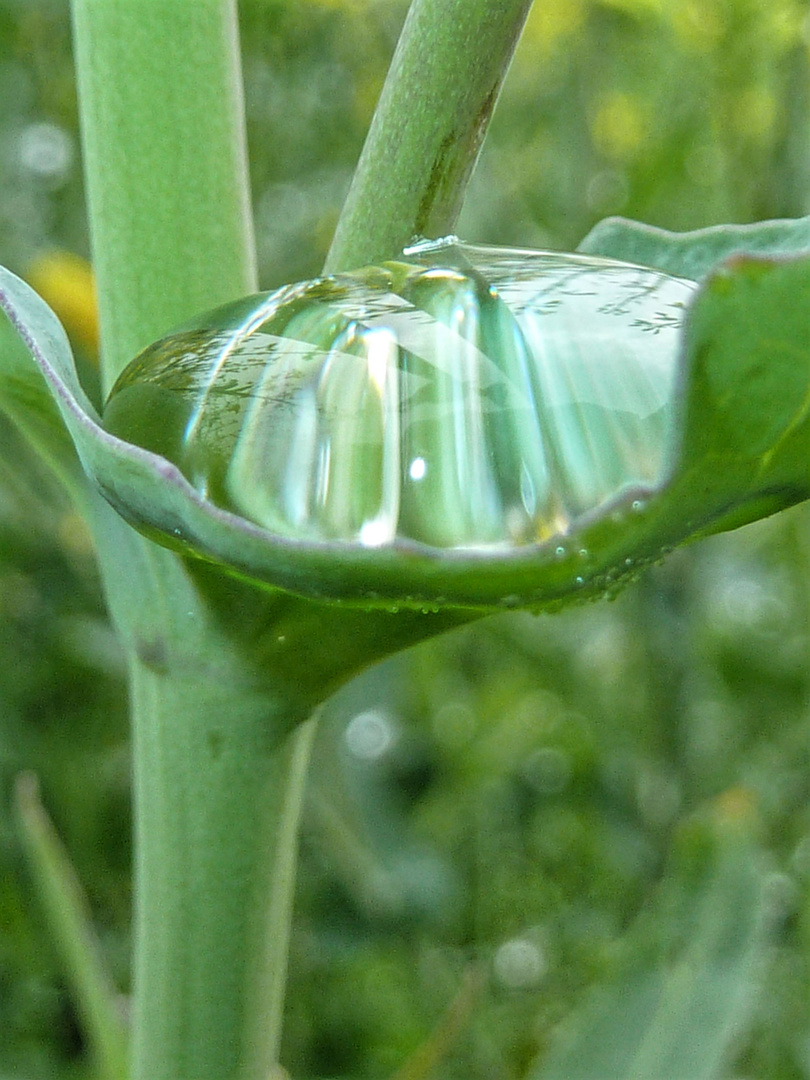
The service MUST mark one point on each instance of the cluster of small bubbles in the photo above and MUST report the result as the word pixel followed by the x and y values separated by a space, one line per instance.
pixel 614 591
pixel 519 964
pixel 370 735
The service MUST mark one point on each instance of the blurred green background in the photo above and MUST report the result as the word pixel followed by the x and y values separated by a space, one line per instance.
pixel 564 848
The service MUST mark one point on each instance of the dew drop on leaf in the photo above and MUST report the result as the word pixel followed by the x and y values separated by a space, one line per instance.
pixel 462 397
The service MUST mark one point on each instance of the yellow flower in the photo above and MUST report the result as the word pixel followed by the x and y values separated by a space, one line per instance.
pixel 65 281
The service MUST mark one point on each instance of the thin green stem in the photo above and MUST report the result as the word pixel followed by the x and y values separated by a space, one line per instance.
pixel 160 98
pixel 427 131
pixel 264 1042
pixel 66 910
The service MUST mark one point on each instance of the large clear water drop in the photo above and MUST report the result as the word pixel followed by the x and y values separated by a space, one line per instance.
pixel 462 397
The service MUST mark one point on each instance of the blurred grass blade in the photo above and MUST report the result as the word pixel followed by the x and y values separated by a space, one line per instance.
pixel 679 1018
pixel 68 917
pixel 427 1057
pixel 693 254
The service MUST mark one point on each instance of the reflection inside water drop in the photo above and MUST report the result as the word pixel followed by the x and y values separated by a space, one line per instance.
pixel 470 398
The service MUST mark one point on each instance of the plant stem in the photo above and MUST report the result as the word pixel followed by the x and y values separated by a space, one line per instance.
pixel 217 777
pixel 67 912
pixel 219 799
pixel 427 131
pixel 220 749
pixel 160 97
pixel 263 1042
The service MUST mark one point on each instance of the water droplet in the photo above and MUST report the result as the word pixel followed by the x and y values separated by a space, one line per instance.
pixel 637 505
pixel 356 409
pixel 584 553
pixel 628 561
pixel 580 580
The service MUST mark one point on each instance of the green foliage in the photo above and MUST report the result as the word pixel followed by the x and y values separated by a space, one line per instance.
pixel 674 1009
pixel 524 802
pixel 694 254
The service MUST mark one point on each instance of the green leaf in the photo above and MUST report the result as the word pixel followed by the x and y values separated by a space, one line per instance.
pixel 686 990
pixel 746 393
pixel 26 398
pixel 693 254
pixel 739 447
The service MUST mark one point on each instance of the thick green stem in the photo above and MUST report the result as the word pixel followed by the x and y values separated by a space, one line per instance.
pixel 218 805
pixel 444 81
pixel 220 749
pixel 160 98
pixel 217 779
